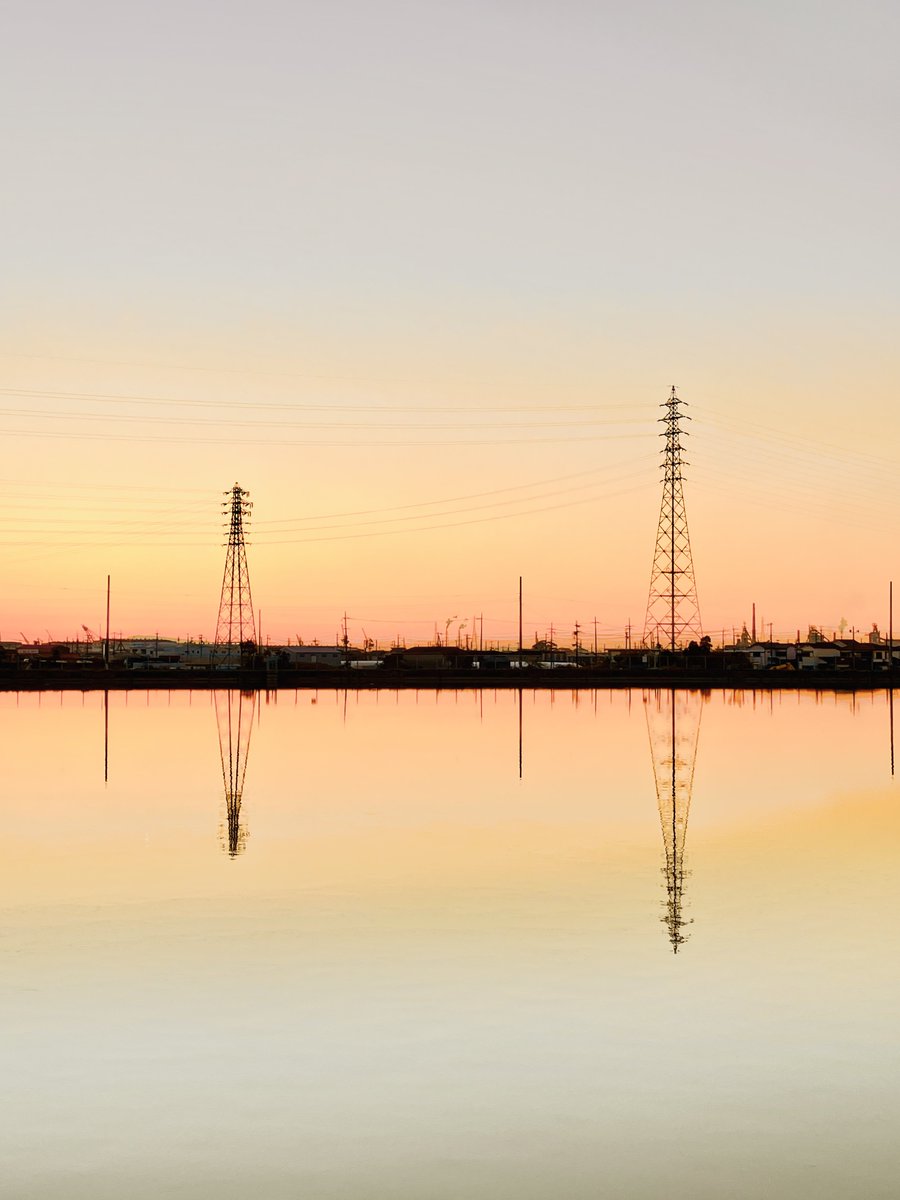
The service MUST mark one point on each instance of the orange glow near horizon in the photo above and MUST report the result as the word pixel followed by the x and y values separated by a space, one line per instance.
pixel 404 538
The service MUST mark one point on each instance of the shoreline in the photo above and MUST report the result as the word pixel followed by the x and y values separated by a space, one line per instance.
pixel 337 679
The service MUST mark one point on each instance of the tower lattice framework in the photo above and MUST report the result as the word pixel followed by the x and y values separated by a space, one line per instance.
pixel 235 627
pixel 673 611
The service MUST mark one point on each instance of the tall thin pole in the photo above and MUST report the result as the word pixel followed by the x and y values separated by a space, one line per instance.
pixel 891 667
pixel 106 647
pixel 520 618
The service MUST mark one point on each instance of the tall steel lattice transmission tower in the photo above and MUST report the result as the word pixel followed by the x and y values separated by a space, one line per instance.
pixel 235 627
pixel 673 612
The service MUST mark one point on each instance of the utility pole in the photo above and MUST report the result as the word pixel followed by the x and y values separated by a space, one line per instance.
pixel 106 647
pixel 595 637
pixel 891 667
pixel 672 601
pixel 520 620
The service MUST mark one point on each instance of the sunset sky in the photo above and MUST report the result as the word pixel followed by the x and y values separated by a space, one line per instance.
pixel 418 277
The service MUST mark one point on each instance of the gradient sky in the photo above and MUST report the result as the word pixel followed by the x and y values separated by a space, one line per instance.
pixel 418 275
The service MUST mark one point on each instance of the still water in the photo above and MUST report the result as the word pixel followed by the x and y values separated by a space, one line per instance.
pixel 440 946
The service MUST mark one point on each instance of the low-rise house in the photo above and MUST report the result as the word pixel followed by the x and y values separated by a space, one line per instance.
pixel 817 656
pixel 868 655
pixel 764 656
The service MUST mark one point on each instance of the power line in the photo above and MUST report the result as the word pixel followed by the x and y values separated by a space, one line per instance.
pixel 355 536
pixel 298 406
pixel 287 443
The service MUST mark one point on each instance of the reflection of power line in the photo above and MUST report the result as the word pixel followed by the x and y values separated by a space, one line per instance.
pixel 234 719
pixel 673 727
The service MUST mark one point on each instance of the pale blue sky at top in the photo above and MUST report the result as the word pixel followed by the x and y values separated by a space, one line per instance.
pixel 360 162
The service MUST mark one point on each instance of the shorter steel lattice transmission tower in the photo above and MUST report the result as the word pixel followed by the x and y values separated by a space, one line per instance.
pixel 673 612
pixel 235 628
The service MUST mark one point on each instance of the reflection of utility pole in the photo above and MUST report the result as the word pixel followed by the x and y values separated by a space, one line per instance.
pixel 520 733
pixel 106 735
pixel 673 727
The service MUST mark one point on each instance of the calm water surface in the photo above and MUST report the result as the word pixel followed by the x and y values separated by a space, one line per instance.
pixel 443 946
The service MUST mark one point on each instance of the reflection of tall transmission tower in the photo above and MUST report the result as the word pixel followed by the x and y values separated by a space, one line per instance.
pixel 673 725
pixel 673 611
pixel 235 627
pixel 234 718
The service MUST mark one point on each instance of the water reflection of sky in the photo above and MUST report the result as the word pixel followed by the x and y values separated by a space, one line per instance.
pixel 427 976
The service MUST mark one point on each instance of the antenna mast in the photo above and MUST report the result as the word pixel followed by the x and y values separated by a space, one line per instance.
pixel 235 626
pixel 673 611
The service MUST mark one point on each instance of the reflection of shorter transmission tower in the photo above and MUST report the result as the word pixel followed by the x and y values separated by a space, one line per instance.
pixel 673 725
pixel 234 718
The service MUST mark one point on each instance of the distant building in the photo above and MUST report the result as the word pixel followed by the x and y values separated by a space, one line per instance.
pixel 312 656
pixel 429 658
